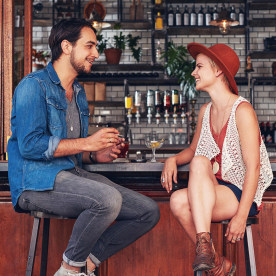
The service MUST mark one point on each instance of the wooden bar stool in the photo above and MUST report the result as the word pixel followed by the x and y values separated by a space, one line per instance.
pixel 249 254
pixel 45 240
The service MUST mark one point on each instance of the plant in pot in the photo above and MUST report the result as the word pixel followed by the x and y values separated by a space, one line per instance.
pixel 113 51
pixel 179 66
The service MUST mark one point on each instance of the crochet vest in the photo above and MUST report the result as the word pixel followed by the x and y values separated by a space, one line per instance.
pixel 232 165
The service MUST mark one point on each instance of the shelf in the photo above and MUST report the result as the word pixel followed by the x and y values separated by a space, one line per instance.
pixel 196 30
pixel 265 81
pixel 263 54
pixel 262 22
pixel 107 103
pixel 126 67
pixel 203 1
pixel 130 25
pixel 263 6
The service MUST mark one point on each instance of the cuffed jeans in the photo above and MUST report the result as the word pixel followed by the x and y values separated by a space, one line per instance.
pixel 95 202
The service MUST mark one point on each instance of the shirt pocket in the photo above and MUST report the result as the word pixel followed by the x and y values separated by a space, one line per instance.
pixel 85 121
pixel 56 114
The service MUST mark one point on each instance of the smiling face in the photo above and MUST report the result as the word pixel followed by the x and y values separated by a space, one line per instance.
pixel 84 52
pixel 204 73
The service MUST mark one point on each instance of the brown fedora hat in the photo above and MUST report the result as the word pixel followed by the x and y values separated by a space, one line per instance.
pixel 224 56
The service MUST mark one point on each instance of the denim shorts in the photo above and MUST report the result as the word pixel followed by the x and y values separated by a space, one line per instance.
pixel 238 193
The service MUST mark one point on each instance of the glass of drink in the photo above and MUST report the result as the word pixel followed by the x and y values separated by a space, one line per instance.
pixel 152 142
pixel 124 150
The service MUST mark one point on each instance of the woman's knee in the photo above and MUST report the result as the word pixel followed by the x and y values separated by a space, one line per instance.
pixel 200 164
pixel 179 202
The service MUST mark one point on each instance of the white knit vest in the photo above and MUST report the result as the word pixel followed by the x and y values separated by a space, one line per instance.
pixel 232 165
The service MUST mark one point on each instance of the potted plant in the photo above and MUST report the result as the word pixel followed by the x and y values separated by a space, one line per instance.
pixel 113 50
pixel 179 66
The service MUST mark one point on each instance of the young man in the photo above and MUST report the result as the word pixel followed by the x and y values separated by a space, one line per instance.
pixel 48 145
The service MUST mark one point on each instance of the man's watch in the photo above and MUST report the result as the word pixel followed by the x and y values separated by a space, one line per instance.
pixel 93 157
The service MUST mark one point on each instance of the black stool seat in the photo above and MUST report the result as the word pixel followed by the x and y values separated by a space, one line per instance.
pixel 249 254
pixel 45 239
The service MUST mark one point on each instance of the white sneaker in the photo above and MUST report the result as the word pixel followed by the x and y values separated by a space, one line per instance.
pixel 90 273
pixel 67 272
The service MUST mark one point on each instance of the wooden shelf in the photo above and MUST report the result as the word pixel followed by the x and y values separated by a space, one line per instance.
pixel 262 22
pixel 131 24
pixel 107 103
pixel 203 1
pixel 126 67
pixel 196 30
pixel 263 54
pixel 263 5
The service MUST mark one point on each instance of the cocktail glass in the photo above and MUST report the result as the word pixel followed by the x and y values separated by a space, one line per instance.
pixel 153 143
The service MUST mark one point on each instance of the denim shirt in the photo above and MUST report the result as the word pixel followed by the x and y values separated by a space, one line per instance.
pixel 38 124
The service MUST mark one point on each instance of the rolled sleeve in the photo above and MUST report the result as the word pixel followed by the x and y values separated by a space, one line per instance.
pixel 52 146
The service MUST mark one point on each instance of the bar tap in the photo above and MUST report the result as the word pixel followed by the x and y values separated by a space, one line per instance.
pixel 128 106
pixel 175 102
pixel 150 104
pixel 167 105
pixel 182 107
pixel 158 105
pixel 137 103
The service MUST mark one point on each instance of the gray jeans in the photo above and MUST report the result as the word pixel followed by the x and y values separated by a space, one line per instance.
pixel 96 202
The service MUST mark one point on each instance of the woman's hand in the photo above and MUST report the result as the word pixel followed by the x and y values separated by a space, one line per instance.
pixel 169 174
pixel 235 229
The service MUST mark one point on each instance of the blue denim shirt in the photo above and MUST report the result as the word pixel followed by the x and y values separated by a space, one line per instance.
pixel 38 124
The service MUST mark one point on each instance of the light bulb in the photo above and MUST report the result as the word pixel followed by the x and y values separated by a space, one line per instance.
pixel 224 27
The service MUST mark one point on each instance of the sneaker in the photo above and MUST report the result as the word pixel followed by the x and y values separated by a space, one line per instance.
pixel 67 272
pixel 90 273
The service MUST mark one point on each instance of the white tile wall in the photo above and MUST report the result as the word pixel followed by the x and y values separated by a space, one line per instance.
pixel 265 101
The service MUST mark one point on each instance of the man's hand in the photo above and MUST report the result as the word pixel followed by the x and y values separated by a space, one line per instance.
pixel 111 153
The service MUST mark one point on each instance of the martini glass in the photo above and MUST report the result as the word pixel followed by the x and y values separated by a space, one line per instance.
pixel 153 143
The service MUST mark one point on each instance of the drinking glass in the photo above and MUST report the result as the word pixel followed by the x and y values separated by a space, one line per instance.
pixel 152 142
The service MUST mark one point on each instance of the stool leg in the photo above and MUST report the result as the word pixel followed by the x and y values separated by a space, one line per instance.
pixel 249 252
pixel 31 256
pixel 44 251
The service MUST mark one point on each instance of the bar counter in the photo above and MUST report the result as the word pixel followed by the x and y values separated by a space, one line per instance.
pixel 163 251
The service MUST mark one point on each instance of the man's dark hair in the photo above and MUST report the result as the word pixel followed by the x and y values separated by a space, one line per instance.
pixel 66 29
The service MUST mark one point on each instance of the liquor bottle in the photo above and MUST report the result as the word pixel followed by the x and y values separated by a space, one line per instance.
pixel 215 13
pixel 128 101
pixel 182 106
pixel 170 16
pixel 208 16
pixel 137 103
pixel 159 22
pixel 186 16
pixel 178 17
pixel 193 17
pixel 17 19
pixel 158 105
pixel 262 130
pixel 268 134
pixel 241 16
pixel 158 53
pixel 200 17
pixel 150 104
pixel 175 103
pixel 167 105
pixel 139 11
pixel 158 2
pixel 233 13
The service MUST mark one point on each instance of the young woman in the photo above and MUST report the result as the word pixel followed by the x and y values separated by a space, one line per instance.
pixel 229 165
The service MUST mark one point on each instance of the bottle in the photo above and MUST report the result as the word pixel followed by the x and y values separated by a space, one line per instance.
pixel 268 134
pixel 233 13
pixel 186 16
pixel 132 9
pixel 170 16
pixel 193 17
pixel 139 11
pixel 175 98
pixel 158 53
pixel 200 17
pixel 241 16
pixel 17 19
pixel 215 13
pixel 159 22
pixel 158 2
pixel 208 16
pixel 178 17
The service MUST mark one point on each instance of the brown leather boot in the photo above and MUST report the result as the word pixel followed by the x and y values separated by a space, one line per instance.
pixel 205 254
pixel 224 267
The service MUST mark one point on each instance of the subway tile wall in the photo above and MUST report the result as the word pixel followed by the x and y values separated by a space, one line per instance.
pixel 265 95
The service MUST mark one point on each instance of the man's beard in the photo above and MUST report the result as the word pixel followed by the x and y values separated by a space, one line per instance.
pixel 79 68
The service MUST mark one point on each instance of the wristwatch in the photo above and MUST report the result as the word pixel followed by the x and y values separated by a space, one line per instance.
pixel 93 157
